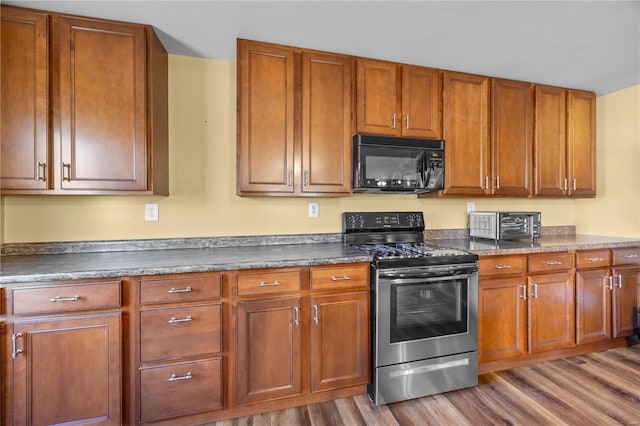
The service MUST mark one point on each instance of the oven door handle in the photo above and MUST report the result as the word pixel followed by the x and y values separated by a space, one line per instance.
pixel 429 272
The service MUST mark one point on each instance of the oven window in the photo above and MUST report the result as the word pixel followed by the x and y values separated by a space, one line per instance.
pixel 430 309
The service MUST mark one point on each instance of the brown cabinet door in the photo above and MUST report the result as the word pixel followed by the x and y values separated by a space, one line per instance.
pixel 593 306
pixel 511 137
pixel 265 118
pixel 339 341
pixel 502 318
pixel 421 102
pixel 377 101
pixel 466 131
pixel 269 359
pixel 626 302
pixel 103 127
pixel 550 152
pixel 551 311
pixel 24 124
pixel 581 143
pixel 69 371
pixel 326 123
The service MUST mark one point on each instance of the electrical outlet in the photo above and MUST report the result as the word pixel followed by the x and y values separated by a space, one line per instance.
pixel 471 207
pixel 314 210
pixel 151 212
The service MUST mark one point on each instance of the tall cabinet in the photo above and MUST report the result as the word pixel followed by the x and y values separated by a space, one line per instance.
pixel 294 121
pixel 105 83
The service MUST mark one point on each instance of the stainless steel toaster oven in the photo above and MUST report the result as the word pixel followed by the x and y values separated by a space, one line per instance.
pixel 505 225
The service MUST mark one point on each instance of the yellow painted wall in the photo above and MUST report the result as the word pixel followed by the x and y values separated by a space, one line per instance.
pixel 202 128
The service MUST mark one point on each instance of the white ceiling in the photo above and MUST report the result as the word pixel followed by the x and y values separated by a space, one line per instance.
pixel 592 45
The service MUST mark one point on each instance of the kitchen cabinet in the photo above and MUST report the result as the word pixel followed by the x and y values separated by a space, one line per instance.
pixel 179 347
pixel 105 83
pixel 466 133
pixel 65 353
pixel 489 135
pixel 277 310
pixel 339 327
pixel 526 305
pixel 607 286
pixel 502 308
pixel 564 142
pixel 398 99
pixel 294 121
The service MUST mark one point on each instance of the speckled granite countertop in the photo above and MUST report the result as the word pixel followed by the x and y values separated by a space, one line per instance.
pixel 23 263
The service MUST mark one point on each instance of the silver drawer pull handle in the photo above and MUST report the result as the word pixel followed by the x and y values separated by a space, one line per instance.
pixel 65 299
pixel 342 278
pixel 554 262
pixel 174 320
pixel 595 259
pixel 180 290
pixel 174 378
pixel 503 266
pixel 273 284
pixel 14 350
pixel 630 256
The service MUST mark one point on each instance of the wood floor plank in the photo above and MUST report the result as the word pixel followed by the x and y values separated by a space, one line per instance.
pixel 597 389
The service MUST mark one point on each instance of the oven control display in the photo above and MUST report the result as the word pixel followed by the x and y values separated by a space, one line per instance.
pixel 377 221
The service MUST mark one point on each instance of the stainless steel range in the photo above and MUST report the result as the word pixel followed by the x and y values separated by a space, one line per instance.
pixel 424 308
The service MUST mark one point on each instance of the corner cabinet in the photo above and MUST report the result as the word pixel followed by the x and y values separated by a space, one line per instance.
pixel 564 142
pixel 106 85
pixel 294 121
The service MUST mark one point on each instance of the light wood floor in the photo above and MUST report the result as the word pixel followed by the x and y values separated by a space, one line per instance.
pixel 596 389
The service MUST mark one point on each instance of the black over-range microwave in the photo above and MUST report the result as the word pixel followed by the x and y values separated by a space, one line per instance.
pixel 397 165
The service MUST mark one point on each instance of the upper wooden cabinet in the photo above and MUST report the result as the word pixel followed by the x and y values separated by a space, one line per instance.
pixel 398 100
pixel 294 121
pixel 489 135
pixel 564 147
pixel 466 133
pixel 105 83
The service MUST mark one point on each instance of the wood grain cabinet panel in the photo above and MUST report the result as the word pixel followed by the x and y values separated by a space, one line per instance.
pixel 339 340
pixel 25 161
pixel 104 85
pixel 593 305
pixel 269 349
pixel 626 300
pixel 180 289
pixel 339 277
pixel 264 282
pixel 294 121
pixel 180 389
pixel 69 370
pixel 581 143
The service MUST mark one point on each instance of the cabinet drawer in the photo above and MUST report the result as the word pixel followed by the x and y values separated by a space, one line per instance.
pixel 180 389
pixel 625 256
pixel 268 282
pixel 592 259
pixel 66 297
pixel 337 276
pixel 168 289
pixel 176 332
pixel 550 262
pixel 502 265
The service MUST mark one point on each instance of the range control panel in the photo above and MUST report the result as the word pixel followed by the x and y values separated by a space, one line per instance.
pixel 382 221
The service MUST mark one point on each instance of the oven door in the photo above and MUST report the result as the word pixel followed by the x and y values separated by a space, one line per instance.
pixel 425 312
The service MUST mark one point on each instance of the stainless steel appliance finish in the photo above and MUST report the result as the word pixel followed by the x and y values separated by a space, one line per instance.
pixel 424 302
pixel 505 225
pixel 397 165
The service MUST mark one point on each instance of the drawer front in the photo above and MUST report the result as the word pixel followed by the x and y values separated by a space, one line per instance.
pixel 550 262
pixel 268 282
pixel 163 290
pixel 626 256
pixel 66 298
pixel 180 389
pixel 337 276
pixel 176 332
pixel 502 265
pixel 592 259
